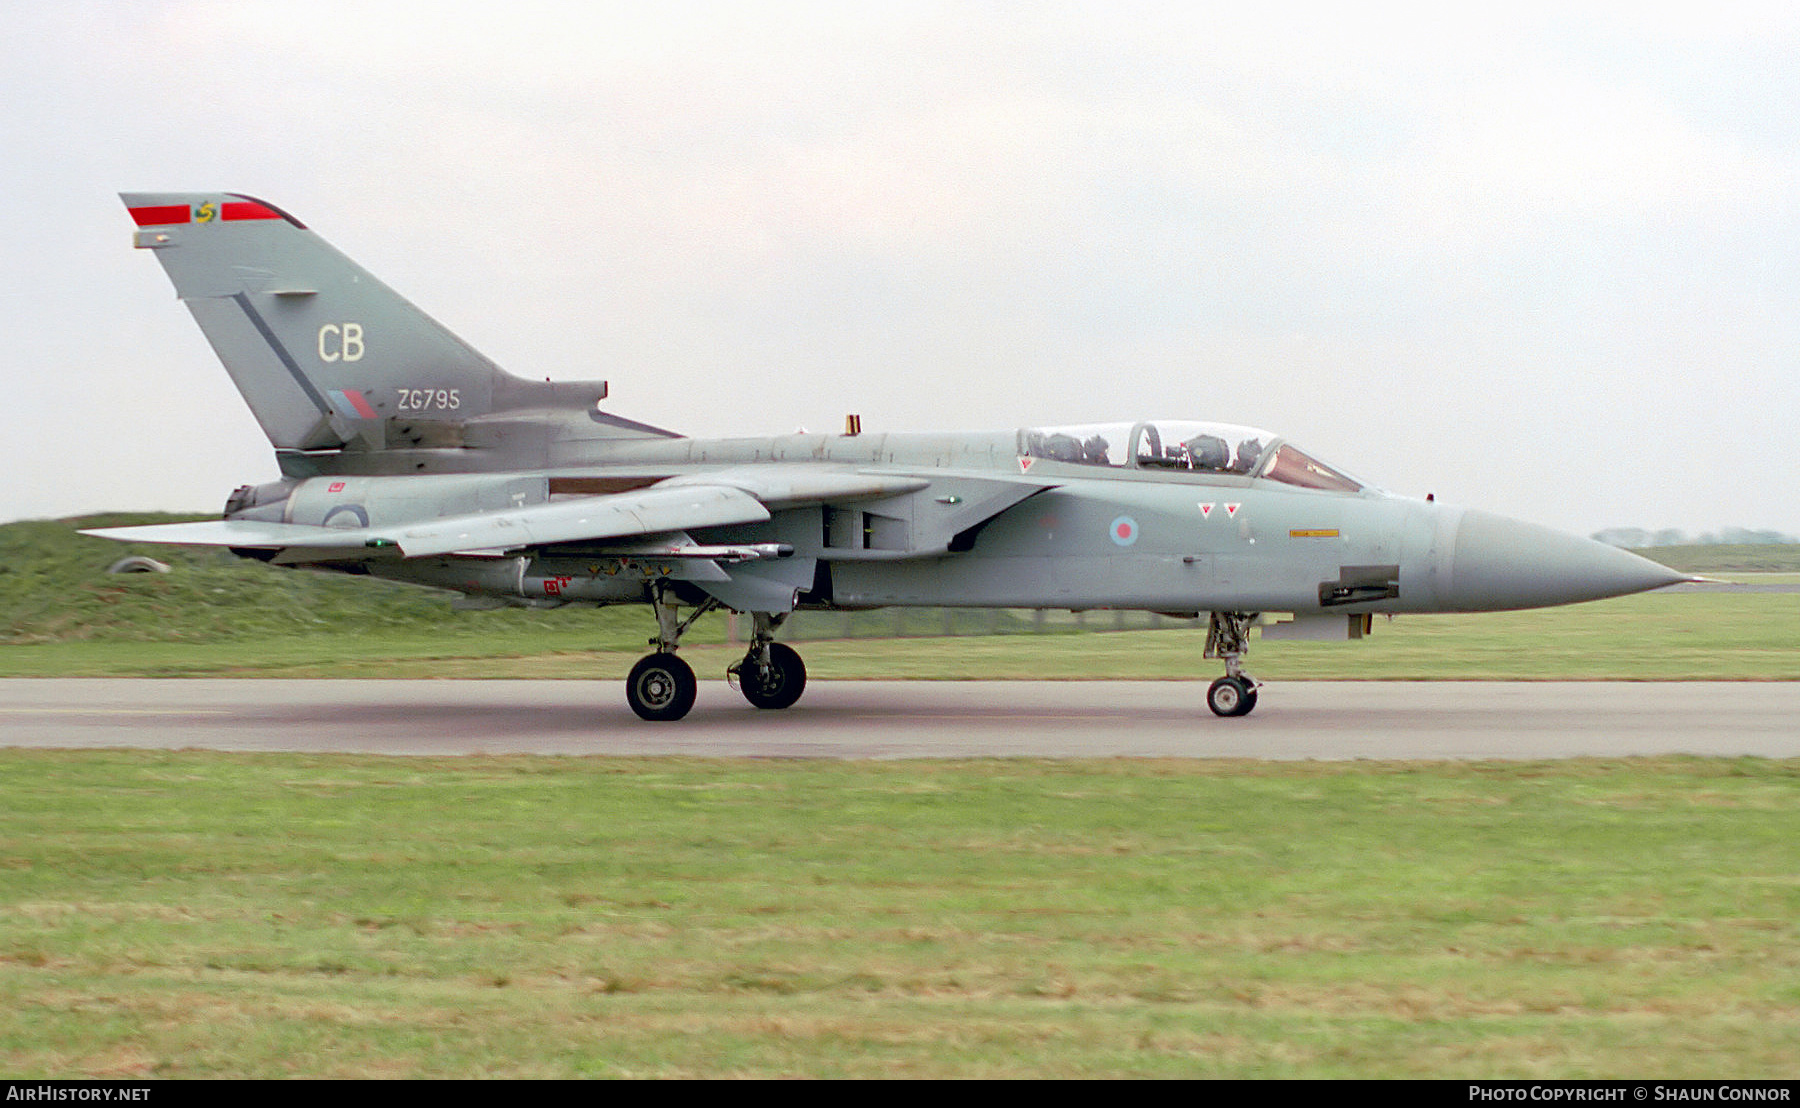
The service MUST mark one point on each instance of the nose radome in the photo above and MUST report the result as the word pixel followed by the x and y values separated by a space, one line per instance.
pixel 1502 563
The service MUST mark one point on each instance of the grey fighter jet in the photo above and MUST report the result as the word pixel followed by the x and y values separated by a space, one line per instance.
pixel 407 455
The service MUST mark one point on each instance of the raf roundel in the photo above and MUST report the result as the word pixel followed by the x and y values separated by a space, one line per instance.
pixel 1124 530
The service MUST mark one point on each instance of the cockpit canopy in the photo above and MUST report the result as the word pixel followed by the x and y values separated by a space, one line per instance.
pixel 1187 447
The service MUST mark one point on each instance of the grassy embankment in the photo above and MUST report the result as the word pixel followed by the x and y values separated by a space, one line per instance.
pixel 61 615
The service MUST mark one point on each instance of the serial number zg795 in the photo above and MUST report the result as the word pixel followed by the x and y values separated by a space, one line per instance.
pixel 430 400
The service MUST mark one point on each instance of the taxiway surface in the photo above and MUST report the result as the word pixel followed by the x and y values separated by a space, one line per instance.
pixel 917 719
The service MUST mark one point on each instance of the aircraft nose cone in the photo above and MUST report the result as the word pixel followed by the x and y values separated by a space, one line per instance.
pixel 1501 563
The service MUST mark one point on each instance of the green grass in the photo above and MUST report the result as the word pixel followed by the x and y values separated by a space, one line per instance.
pixel 213 915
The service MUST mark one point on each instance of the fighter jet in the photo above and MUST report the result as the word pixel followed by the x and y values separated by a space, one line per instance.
pixel 405 454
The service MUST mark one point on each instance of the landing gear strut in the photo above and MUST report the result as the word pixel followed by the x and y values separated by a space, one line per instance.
pixel 771 674
pixel 661 687
pixel 1228 637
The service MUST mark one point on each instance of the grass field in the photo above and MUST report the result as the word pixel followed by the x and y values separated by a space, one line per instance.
pixel 202 915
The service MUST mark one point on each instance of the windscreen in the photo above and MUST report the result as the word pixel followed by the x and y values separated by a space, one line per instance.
pixel 1294 467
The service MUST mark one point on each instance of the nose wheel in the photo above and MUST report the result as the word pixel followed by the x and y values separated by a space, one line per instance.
pixel 1231 696
pixel 1228 637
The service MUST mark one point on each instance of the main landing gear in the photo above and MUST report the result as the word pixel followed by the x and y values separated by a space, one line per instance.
pixel 1228 637
pixel 661 687
pixel 771 674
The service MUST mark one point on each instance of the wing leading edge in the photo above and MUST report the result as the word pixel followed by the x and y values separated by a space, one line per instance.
pixel 650 511
pixel 722 498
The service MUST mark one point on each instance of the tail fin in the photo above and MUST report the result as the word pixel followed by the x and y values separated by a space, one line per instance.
pixel 326 355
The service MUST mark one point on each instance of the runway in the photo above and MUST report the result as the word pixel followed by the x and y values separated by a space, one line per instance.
pixel 1323 720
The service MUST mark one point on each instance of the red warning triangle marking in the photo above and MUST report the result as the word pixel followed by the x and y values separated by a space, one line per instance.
pixel 1025 464
pixel 1231 509
pixel 1206 511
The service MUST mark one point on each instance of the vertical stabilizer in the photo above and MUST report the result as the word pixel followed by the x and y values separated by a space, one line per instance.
pixel 324 353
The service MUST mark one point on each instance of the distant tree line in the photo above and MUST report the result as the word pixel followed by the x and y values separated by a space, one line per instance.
pixel 1729 536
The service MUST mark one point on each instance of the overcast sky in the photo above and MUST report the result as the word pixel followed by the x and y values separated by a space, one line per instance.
pixel 1540 260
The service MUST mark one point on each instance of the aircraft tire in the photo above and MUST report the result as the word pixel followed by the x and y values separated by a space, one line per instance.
pixel 661 688
pixel 787 679
pixel 1231 696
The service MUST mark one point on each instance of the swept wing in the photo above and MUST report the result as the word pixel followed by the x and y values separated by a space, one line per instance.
pixel 720 498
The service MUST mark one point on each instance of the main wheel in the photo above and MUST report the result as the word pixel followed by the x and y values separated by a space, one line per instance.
pixel 778 686
pixel 661 688
pixel 1231 696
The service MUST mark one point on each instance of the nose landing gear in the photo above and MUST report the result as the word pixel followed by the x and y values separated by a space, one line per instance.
pixel 1228 637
